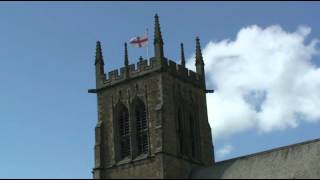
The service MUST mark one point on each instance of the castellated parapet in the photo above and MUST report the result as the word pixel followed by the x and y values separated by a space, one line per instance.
pixel 144 67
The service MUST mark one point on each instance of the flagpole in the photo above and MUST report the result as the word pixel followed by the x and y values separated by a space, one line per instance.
pixel 147 44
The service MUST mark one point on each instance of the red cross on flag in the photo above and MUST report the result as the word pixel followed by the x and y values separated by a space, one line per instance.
pixel 139 41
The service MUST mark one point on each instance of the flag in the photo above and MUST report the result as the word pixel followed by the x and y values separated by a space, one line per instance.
pixel 139 41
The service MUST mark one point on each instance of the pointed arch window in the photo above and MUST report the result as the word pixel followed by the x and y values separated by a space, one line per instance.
pixel 141 124
pixel 124 131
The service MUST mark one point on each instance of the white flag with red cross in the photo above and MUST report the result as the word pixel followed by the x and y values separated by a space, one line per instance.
pixel 139 41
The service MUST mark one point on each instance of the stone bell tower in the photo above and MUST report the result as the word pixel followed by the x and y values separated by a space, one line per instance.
pixel 152 117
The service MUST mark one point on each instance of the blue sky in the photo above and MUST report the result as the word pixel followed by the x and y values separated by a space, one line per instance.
pixel 47 65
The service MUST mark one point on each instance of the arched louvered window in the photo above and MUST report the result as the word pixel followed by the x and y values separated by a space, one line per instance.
pixel 124 131
pixel 141 121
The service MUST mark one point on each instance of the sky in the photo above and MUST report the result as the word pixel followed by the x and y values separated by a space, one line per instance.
pixel 262 59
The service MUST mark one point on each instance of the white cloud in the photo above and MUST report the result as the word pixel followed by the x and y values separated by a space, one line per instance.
pixel 225 150
pixel 263 80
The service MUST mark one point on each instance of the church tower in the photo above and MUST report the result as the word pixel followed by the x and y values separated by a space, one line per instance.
pixel 152 118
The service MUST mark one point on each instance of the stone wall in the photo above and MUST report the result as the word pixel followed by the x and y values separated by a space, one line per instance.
pixel 148 89
pixel 146 168
pixel 178 93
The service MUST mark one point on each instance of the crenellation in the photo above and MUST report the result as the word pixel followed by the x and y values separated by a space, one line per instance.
pixel 141 68
pixel 172 66
pixel 165 62
pixel 183 71
pixel 132 67
pixel 191 74
pixel 112 75
pixel 153 62
pixel 142 65
pixel 122 72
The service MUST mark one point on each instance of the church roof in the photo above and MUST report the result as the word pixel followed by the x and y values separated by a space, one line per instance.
pixel 294 161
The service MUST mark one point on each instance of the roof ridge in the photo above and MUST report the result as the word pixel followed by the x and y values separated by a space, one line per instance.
pixel 271 150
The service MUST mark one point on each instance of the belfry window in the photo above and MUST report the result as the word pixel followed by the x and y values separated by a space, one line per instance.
pixel 124 131
pixel 140 116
